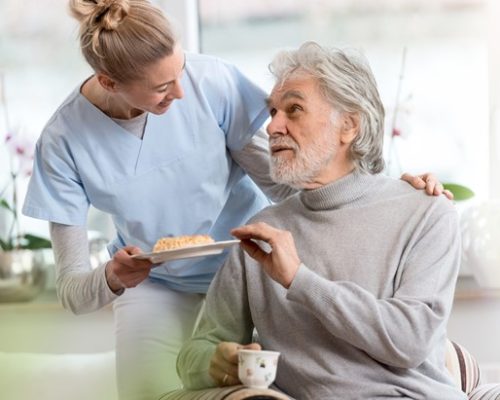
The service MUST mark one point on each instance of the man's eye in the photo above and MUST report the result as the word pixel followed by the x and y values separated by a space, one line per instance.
pixel 272 112
pixel 293 108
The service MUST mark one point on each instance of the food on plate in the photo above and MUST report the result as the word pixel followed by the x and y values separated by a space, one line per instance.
pixel 177 242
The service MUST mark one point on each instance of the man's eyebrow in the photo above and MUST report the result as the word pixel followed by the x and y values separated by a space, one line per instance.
pixel 291 94
pixel 166 83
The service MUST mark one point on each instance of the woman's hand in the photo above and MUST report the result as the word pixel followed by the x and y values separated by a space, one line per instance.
pixel 122 271
pixel 428 182
pixel 282 262
pixel 224 363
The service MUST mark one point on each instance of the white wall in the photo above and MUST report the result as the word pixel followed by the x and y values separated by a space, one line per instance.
pixel 494 79
pixel 185 16
pixel 474 323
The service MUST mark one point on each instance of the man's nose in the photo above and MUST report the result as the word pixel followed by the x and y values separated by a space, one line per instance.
pixel 277 126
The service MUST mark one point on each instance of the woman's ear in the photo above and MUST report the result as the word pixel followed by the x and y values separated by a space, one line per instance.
pixel 350 127
pixel 106 82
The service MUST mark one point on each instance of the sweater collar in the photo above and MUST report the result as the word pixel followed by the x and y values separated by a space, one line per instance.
pixel 339 193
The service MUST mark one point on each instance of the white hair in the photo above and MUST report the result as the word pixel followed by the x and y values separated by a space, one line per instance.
pixel 348 84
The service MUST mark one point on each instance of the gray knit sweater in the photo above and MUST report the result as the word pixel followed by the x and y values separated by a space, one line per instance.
pixel 365 316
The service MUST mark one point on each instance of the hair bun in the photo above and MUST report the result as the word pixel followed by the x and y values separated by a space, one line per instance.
pixel 110 13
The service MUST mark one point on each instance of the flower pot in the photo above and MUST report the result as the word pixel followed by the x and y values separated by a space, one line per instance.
pixel 22 274
pixel 480 226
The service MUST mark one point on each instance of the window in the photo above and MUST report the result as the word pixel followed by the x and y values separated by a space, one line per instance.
pixel 41 63
pixel 443 107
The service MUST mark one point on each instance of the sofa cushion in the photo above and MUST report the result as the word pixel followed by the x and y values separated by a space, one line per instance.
pixel 462 366
pixel 489 391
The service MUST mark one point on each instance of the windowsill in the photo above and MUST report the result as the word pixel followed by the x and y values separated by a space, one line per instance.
pixel 46 299
pixel 468 289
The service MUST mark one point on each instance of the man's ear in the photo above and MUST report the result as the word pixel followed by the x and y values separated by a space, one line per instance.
pixel 106 82
pixel 350 127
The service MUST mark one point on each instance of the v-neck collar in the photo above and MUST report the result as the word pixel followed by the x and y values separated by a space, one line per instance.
pixel 136 126
pixel 104 117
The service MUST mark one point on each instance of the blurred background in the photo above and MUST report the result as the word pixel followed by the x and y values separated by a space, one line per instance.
pixel 437 64
pixel 432 59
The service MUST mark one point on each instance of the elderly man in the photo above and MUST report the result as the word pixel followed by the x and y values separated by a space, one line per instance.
pixel 351 279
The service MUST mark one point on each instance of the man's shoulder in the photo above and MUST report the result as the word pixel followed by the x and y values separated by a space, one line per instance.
pixel 405 195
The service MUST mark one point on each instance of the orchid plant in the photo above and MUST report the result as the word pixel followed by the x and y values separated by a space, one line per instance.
pixel 20 158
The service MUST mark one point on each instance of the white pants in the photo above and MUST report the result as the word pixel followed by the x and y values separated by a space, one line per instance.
pixel 151 322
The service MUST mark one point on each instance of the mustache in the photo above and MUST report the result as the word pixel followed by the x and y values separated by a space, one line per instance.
pixel 284 141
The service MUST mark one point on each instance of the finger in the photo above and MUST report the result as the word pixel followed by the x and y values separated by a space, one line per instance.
pixel 123 256
pixel 132 250
pixel 416 181
pixel 226 379
pixel 258 231
pixel 428 176
pixel 139 276
pixel 232 380
pixel 144 265
pixel 252 346
pixel 254 251
pixel 228 368
pixel 429 188
pixel 219 363
pixel 223 376
pixel 438 189
pixel 229 351
pixel 430 183
pixel 224 361
pixel 448 194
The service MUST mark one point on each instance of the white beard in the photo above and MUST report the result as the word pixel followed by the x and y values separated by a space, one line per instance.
pixel 306 164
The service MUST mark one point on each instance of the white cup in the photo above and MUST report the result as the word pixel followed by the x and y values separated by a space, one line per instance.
pixel 257 368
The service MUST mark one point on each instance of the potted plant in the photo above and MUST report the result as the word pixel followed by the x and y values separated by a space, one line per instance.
pixel 22 266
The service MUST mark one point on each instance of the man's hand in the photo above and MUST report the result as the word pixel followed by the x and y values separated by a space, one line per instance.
pixel 122 271
pixel 282 263
pixel 428 182
pixel 224 363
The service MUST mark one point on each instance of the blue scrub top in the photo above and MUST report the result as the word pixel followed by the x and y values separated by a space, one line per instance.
pixel 178 180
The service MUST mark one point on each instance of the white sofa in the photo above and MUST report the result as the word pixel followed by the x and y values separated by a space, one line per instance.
pixel 29 376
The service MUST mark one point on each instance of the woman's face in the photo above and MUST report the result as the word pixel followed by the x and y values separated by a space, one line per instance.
pixel 160 86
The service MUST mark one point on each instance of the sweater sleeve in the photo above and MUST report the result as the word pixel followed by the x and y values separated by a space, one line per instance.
pixel 225 318
pixel 80 288
pixel 254 159
pixel 399 330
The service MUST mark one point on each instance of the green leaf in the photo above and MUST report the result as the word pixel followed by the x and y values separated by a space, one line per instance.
pixel 33 242
pixel 4 204
pixel 6 246
pixel 460 192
